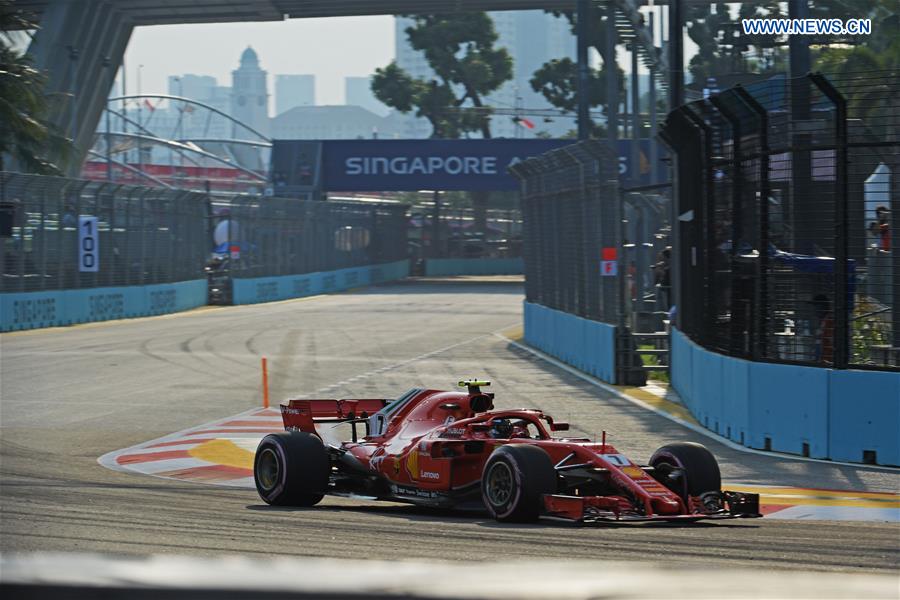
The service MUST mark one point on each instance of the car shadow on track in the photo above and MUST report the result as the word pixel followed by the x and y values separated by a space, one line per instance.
pixel 481 519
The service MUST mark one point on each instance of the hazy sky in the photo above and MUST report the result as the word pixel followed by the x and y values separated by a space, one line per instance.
pixel 329 48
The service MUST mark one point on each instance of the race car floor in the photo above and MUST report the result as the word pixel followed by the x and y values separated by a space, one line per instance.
pixel 71 395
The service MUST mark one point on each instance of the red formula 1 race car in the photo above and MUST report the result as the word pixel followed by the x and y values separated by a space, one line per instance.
pixel 452 450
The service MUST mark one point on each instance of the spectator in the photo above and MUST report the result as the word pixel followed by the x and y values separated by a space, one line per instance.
pixel 662 277
pixel 882 226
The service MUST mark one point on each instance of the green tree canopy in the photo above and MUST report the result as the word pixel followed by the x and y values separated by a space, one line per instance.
pixel 467 67
pixel 557 79
pixel 25 132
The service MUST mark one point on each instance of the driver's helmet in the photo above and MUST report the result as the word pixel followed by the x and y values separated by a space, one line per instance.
pixel 501 429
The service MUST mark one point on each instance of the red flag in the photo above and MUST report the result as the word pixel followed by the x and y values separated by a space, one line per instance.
pixel 526 123
pixel 149 105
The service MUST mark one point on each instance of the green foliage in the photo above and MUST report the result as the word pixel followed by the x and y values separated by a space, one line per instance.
pixel 722 46
pixel 557 79
pixel 25 131
pixel 870 326
pixel 460 50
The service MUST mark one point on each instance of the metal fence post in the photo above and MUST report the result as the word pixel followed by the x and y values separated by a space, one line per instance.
pixel 738 327
pixel 705 215
pixel 760 348
pixel 841 304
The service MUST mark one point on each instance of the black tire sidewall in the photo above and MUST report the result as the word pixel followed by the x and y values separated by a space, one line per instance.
pixel 273 495
pixel 303 469
pixel 508 508
pixel 533 476
pixel 700 466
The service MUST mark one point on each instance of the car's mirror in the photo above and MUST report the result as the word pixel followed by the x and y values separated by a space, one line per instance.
pixel 559 426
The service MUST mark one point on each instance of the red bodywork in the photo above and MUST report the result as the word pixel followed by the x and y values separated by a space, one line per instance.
pixel 430 447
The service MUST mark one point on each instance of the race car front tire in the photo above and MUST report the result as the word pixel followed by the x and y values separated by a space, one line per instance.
pixel 514 481
pixel 291 468
pixel 699 466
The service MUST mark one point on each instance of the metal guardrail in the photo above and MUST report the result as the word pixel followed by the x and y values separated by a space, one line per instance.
pixel 786 195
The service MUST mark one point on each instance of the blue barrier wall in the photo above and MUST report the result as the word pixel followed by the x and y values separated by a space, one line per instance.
pixel 839 414
pixel 31 310
pixel 269 289
pixel 587 345
pixel 474 266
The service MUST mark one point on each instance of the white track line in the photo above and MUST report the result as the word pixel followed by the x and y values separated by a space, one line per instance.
pixel 692 426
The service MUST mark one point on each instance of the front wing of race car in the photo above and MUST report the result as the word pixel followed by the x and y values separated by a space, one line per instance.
pixel 596 509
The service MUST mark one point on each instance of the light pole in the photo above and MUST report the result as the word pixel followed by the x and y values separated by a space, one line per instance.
pixel 109 174
pixel 140 122
pixel 73 59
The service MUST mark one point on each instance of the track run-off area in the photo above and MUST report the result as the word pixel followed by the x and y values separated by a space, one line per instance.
pixel 173 406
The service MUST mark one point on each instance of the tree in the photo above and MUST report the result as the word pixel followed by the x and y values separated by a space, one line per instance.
pixel 25 131
pixel 460 51
pixel 723 48
pixel 557 79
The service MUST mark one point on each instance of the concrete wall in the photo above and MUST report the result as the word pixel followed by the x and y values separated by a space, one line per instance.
pixel 837 414
pixel 474 266
pixel 586 345
pixel 31 310
pixel 268 289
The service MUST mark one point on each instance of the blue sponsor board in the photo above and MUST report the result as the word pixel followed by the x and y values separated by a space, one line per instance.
pixel 31 310
pixel 410 165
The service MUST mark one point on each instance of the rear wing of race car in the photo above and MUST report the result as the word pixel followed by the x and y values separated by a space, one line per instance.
pixel 302 415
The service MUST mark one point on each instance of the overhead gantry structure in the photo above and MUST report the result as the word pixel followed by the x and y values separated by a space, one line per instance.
pixel 81 43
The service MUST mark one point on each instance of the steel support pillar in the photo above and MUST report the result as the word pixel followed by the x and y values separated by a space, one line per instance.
pixel 635 170
pixel 676 54
pixel 612 81
pixel 654 129
pixel 583 91
pixel 74 40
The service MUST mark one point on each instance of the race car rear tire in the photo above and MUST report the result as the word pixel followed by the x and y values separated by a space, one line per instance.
pixel 514 481
pixel 701 470
pixel 291 468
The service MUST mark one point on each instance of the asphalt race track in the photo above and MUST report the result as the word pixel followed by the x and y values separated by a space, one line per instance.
pixel 71 395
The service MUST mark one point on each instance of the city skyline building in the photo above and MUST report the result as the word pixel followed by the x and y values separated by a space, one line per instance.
pixel 358 92
pixel 338 122
pixel 249 94
pixel 292 90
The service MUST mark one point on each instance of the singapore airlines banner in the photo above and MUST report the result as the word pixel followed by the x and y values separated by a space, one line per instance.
pixel 406 165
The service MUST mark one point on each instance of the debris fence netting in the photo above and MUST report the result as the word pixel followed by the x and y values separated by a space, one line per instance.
pixel 144 235
pixel 786 196
pixel 277 236
pixel 156 235
pixel 571 212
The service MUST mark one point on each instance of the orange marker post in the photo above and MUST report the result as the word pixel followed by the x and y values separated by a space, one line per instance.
pixel 265 383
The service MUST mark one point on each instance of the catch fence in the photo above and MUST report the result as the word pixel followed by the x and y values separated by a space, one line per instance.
pixel 144 235
pixel 263 237
pixel 152 235
pixel 786 196
pixel 572 231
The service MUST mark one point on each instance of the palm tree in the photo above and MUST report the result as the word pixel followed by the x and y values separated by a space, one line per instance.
pixel 25 131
